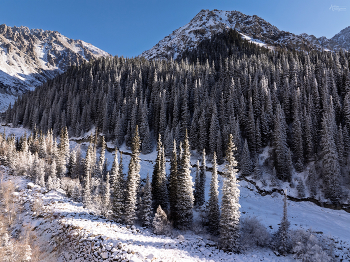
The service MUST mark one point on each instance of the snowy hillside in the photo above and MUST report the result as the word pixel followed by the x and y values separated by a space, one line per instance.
pixel 29 57
pixel 65 230
pixel 74 233
pixel 252 28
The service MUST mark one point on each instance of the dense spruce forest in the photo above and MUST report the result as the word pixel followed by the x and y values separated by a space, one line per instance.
pixel 296 103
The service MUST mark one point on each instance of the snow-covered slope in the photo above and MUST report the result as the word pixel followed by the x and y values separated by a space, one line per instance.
pixel 342 39
pixel 29 57
pixel 66 229
pixel 256 29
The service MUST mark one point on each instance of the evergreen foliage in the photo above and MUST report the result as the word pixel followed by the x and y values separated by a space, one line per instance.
pixel 230 214
pixel 118 190
pixel 246 162
pixel 281 240
pixel 185 199
pixel 213 203
pixel 133 180
pixel 147 210
pixel 159 180
pixel 173 185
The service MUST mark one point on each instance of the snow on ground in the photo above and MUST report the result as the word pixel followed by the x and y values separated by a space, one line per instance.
pixel 119 241
pixel 16 131
pixel 142 244
pixel 268 209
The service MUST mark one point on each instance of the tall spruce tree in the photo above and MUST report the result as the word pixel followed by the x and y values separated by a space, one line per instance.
pixel 330 161
pixel 133 180
pixel 87 177
pixel 196 185
pixel 213 203
pixel 246 162
pixel 106 200
pixel 147 211
pixel 281 241
pixel 118 190
pixel 230 214
pixel 102 159
pixel 202 178
pixel 173 188
pixel 184 205
pixel 159 181
pixel 283 159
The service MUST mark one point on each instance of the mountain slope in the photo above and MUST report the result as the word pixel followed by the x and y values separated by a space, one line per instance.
pixel 29 57
pixel 342 39
pixel 252 28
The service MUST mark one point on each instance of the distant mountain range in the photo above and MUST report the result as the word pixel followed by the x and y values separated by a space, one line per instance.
pixel 253 28
pixel 29 57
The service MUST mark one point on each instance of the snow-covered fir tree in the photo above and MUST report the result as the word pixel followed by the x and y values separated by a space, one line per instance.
pixel 230 214
pixel 213 203
pixel 331 167
pixel 202 178
pixel 133 180
pixel 159 179
pixel 184 204
pixel 197 185
pixel 72 165
pixel 117 185
pixel 281 240
pixel 87 177
pixel 106 201
pixel 52 179
pixel 147 211
pixel 101 161
pixel 246 162
pixel 173 178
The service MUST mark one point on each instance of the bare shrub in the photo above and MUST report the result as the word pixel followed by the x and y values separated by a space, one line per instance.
pixel 37 206
pixel 21 249
pixel 68 185
pixel 309 247
pixel 10 208
pixel 253 233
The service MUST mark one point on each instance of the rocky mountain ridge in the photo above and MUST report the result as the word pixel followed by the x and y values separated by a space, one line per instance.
pixel 29 57
pixel 252 28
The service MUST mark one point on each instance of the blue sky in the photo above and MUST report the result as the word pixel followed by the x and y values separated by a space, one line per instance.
pixel 128 27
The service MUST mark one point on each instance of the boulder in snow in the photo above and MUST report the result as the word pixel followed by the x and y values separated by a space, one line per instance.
pixel 104 255
pixel 150 256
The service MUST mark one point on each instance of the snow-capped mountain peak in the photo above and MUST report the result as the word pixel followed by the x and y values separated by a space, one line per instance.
pixel 253 28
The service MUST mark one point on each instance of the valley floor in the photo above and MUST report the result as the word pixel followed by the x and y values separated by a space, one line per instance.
pixel 68 232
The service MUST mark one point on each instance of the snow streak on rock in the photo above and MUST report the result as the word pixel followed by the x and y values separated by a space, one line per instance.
pixel 29 57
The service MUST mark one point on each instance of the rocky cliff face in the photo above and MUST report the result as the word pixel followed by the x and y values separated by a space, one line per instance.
pixel 253 28
pixel 29 57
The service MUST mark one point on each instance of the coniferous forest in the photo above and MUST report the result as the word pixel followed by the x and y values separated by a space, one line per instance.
pixel 296 103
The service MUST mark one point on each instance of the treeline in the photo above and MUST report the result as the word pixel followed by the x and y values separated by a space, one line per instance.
pixel 297 103
pixel 221 45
